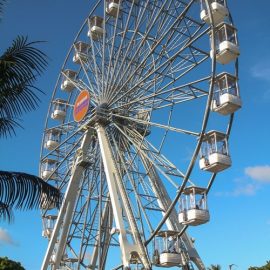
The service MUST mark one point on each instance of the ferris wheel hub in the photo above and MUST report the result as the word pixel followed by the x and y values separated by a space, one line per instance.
pixel 101 115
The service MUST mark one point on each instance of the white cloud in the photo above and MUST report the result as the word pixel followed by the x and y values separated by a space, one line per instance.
pixel 5 237
pixel 266 95
pixel 259 173
pixel 248 185
pixel 247 190
pixel 261 71
pixel 240 190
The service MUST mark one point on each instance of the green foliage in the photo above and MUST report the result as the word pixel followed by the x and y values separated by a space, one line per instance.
pixel 264 267
pixel 20 65
pixel 6 264
pixel 5 212
pixel 2 3
pixel 214 267
pixel 24 191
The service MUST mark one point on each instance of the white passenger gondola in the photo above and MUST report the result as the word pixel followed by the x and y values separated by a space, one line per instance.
pixel 143 115
pixel 81 52
pixel 71 260
pixel 167 251
pixel 214 154
pixel 52 138
pixel 226 98
pixel 53 259
pixel 69 80
pixel 96 27
pixel 46 204
pixel 193 206
pixel 112 7
pixel 218 9
pixel 48 169
pixel 59 109
pixel 48 225
pixel 227 48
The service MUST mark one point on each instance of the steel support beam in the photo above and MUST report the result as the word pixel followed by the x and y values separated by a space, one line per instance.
pixel 120 202
pixel 104 221
pixel 59 237
pixel 172 222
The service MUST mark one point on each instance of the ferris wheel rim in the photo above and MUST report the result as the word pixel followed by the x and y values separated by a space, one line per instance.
pixel 200 135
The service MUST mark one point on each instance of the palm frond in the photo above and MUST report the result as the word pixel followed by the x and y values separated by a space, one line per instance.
pixel 19 67
pixel 25 191
pixel 214 267
pixel 6 213
pixel 7 127
pixel 2 3
pixel 15 101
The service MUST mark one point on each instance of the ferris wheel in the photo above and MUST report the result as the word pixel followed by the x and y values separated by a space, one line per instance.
pixel 136 131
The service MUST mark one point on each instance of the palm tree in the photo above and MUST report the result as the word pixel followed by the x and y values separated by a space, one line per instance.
pixel 1 7
pixel 20 65
pixel 214 267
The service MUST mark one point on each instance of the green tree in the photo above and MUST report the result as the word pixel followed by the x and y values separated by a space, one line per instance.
pixel 214 267
pixel 6 264
pixel 20 66
pixel 264 267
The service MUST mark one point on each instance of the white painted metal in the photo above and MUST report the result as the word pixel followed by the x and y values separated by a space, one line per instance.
pixel 48 224
pixel 172 222
pixel 118 194
pixel 68 81
pixel 194 217
pixel 197 216
pixel 96 32
pixel 96 29
pixel 79 57
pixel 58 115
pixel 51 144
pixel 228 104
pixel 112 8
pixel 227 49
pixel 170 259
pixel 46 174
pixel 143 115
pixel 52 139
pixel 219 12
pixel 60 233
pixel 214 156
pixel 226 53
pixel 193 206
pixel 144 59
pixel 59 110
pixel 48 167
pixel 95 254
pixel 216 162
pixel 45 204
pixel 80 52
pixel 47 233
pixel 67 85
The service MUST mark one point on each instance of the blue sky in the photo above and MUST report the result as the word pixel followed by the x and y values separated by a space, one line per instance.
pixel 239 230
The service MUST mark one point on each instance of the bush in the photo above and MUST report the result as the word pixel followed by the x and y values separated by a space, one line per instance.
pixel 6 264
pixel 264 267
